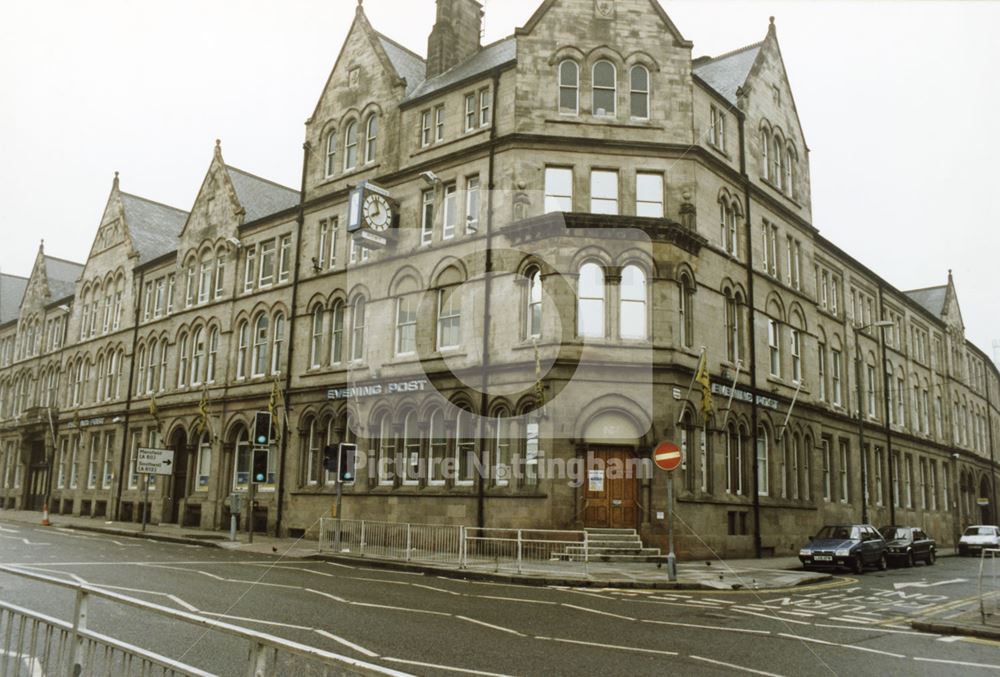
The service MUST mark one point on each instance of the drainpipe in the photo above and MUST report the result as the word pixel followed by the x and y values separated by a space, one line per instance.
pixel 989 428
pixel 296 273
pixel 484 399
pixel 885 403
pixel 128 397
pixel 751 334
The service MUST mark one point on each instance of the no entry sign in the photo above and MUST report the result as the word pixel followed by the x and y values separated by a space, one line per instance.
pixel 667 456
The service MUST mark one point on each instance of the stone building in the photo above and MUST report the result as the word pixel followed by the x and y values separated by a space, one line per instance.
pixel 559 229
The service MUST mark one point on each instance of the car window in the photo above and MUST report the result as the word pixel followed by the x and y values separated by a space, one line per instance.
pixel 918 535
pixel 830 532
pixel 855 534
pixel 893 533
pixel 980 531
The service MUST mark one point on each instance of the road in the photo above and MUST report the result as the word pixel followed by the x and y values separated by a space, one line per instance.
pixel 855 625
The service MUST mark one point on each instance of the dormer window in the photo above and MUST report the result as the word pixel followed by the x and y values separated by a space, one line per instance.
pixel 605 90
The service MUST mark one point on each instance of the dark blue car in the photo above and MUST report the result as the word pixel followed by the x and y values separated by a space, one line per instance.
pixel 845 546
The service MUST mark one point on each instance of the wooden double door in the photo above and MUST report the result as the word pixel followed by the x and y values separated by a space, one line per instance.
pixel 611 489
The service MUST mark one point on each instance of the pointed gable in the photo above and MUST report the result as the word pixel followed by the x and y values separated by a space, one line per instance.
pixel 930 299
pixel 543 9
pixel 11 292
pixel 728 73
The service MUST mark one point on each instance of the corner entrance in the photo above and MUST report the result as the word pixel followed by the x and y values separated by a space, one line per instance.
pixel 610 489
pixel 38 478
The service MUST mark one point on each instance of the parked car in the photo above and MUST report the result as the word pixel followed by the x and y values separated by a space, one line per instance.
pixel 977 537
pixel 906 545
pixel 847 546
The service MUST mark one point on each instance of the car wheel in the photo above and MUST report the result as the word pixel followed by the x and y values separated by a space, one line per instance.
pixel 859 565
pixel 909 559
pixel 931 557
pixel 883 562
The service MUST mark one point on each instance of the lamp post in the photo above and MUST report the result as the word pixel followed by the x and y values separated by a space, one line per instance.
pixel 861 417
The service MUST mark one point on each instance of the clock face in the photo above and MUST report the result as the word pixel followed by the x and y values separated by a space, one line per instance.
pixel 378 212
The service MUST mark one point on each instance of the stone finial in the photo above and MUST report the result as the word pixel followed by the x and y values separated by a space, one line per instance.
pixel 116 180
pixel 771 20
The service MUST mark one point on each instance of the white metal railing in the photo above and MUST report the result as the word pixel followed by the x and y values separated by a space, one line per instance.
pixel 989 585
pixel 460 546
pixel 32 643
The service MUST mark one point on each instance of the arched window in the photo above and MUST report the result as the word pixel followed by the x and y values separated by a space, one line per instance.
pixel 182 360
pixel 728 227
pixel 358 329
pixel 795 342
pixel 337 333
pixel 732 327
pixel 774 346
pixel 411 448
pixel 164 356
pixel 147 378
pixel 220 274
pixel 260 345
pixel 639 95
pixel 277 343
pixel 351 146
pixel 632 313
pixel 331 153
pixel 213 355
pixel 205 277
pixel 371 137
pixel 384 450
pixel 569 87
pixel 590 311
pixel 796 471
pixel 243 336
pixel 204 467
pixel 197 355
pixel 605 89
pixel 533 309
pixel 788 171
pixel 242 461
pixel 763 460
pixel 501 448
pixel 776 162
pixel 465 446
pixel 765 144
pixel 437 447
pixel 100 379
pixel 686 311
pixel 310 458
pixel 316 347
pixel 449 331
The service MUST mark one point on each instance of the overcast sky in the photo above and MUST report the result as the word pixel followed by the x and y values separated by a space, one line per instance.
pixel 897 101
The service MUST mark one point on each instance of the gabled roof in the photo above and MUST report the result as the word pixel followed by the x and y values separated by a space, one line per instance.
pixel 409 66
pixel 11 292
pixel 62 276
pixel 486 59
pixel 727 72
pixel 153 227
pixel 931 298
pixel 260 197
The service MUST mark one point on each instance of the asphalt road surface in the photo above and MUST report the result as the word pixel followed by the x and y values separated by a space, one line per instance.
pixel 419 624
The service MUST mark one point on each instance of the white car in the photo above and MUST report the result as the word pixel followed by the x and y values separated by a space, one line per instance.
pixel 977 537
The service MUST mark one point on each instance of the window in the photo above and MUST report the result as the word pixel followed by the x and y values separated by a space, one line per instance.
pixel 220 275
pixel 74 467
pixel 776 158
pixel 182 360
pixel 558 189
pixel 250 271
pixel 845 494
pixel 728 225
pixel 277 343
pixel 686 313
pixel 450 217
pixel 734 462
pixel 605 90
pixel 191 290
pixel 243 332
pixel 204 468
pixel 410 442
pixel 436 448
pixel 92 461
pixel 439 123
pixel 879 476
pixel 603 192
pixel 213 355
pixel 427 217
pixel 371 138
pixel 774 346
pixel 205 279
pixel 770 249
pixel 197 355
pixel 285 259
pixel 449 334
pixel 796 345
pixel 465 446
pixel 569 88
pixel 316 343
pixel 590 312
pixel 717 129
pixel 260 345
pixel 472 204
pixel 351 146
pixel 331 153
pixel 870 380
pixel 485 103
pixel 266 277
pixel 908 481
pixel 821 371
pixel 763 457
pixel 649 195
pixel 358 329
pixel 470 112
pixel 639 95
pixel 827 467
pixel 533 314
pixel 835 386
pixel 406 325
pixel 337 333
pixel 632 314
pixel 733 342
pixel 242 466
pixel 425 128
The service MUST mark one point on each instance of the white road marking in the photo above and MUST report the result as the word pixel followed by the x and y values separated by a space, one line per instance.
pixel 289 626
pixel 448 668
pixel 709 627
pixel 880 630
pixel 24 540
pixel 813 640
pixel 732 666
pixel 609 646
pixel 351 645
pixel 514 599
pixel 9 531
pixel 962 663
pixel 950 638
pixel 595 611
pixel 399 608
pixel 490 625
pixel 924 584
pixel 771 618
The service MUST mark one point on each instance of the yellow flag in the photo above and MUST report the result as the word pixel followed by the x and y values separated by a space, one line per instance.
pixel 702 377
pixel 203 410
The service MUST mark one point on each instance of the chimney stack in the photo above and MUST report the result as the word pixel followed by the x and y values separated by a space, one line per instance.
pixel 456 35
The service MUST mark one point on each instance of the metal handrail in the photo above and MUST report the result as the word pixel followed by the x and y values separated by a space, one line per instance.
pixel 258 639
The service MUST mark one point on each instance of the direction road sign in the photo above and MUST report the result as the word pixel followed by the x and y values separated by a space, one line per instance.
pixel 155 461
pixel 667 456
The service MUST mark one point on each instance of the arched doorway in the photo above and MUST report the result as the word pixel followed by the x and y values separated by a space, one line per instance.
pixel 179 480
pixel 611 486
pixel 984 500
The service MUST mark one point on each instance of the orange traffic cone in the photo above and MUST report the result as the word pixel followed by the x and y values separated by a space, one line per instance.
pixel 45 515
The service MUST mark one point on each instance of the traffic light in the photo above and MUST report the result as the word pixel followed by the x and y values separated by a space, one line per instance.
pixel 262 429
pixel 260 466
pixel 346 462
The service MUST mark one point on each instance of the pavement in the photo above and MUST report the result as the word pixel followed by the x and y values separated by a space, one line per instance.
pixel 733 574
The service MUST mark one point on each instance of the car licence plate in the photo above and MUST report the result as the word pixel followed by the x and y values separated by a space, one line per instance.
pixel 823 558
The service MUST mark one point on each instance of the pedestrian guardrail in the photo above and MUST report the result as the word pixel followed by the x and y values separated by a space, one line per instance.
pixel 989 585
pixel 32 643
pixel 499 549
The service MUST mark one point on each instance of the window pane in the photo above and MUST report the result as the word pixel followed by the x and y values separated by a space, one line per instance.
pixel 649 195
pixel 558 189
pixel 604 192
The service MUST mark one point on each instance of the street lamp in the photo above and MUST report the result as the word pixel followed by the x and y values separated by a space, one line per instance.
pixel 861 417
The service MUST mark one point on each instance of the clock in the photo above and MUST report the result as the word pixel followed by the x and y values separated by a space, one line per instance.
pixel 378 212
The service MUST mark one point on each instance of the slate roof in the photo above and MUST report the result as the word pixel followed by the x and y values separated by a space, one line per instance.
pixel 486 59
pixel 260 197
pixel 931 298
pixel 11 292
pixel 407 64
pixel 154 227
pixel 62 276
pixel 728 72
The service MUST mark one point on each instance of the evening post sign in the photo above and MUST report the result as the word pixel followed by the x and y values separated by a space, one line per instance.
pixel 418 385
